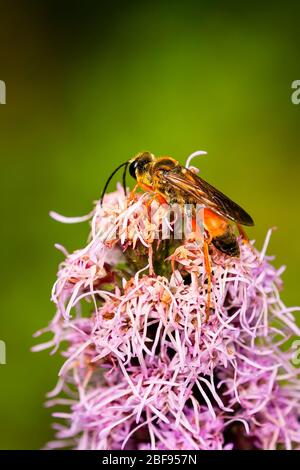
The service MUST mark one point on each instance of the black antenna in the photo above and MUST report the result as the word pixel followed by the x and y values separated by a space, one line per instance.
pixel 109 179
pixel 124 179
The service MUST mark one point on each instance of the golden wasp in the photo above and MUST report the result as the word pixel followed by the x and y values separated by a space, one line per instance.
pixel 171 183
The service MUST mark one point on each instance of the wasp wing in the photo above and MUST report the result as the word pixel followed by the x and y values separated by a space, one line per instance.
pixel 205 194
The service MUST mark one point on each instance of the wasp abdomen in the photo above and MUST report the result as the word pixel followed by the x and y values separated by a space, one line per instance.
pixel 227 243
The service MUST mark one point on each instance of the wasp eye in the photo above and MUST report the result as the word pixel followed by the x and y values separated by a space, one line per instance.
pixel 132 169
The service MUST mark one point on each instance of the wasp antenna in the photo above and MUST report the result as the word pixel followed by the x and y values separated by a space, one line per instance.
pixel 124 178
pixel 109 180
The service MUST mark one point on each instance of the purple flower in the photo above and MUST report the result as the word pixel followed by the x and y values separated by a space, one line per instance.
pixel 143 369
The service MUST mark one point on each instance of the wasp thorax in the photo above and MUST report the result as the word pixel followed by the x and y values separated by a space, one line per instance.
pixel 165 164
pixel 140 164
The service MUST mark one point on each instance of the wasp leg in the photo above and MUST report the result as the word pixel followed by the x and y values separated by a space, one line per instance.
pixel 131 194
pixel 158 197
pixel 196 231
pixel 148 205
pixel 207 265
pixel 161 199
pixel 151 268
pixel 243 234
pixel 194 224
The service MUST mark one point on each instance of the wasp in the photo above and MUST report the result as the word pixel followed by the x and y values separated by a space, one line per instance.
pixel 171 183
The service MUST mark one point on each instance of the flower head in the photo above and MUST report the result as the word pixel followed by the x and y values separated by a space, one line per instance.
pixel 143 366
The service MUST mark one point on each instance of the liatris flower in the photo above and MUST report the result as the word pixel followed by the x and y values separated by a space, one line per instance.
pixel 143 367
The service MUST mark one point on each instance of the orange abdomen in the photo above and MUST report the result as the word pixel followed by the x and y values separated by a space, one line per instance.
pixel 220 232
pixel 215 224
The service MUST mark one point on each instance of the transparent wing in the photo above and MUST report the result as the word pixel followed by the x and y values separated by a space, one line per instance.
pixel 205 194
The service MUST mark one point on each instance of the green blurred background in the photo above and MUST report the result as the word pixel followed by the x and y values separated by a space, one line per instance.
pixel 91 84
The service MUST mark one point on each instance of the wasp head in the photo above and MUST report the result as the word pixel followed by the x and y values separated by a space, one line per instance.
pixel 140 164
